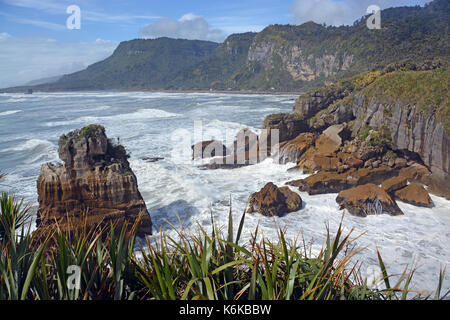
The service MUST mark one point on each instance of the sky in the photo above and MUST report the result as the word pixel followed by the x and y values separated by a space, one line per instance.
pixel 35 41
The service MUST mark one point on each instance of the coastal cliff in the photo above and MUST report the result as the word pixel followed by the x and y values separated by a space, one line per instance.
pixel 95 180
pixel 404 108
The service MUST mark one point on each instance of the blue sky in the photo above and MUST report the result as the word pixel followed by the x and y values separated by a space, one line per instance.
pixel 122 20
pixel 35 43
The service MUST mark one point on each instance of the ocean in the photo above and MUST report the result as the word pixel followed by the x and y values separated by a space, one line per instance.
pixel 177 191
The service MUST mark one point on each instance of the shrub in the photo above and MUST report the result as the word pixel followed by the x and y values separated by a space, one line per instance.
pixel 209 266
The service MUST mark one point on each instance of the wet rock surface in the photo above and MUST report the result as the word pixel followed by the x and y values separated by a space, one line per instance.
pixel 414 194
pixel 368 199
pixel 273 201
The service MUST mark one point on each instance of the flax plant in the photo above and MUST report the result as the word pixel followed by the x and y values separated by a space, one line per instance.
pixel 199 265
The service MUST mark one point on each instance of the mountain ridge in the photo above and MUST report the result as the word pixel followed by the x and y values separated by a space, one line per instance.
pixel 280 58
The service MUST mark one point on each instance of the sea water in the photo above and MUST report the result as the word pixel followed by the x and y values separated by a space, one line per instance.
pixel 184 195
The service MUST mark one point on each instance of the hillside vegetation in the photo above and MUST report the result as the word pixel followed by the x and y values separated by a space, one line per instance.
pixel 280 58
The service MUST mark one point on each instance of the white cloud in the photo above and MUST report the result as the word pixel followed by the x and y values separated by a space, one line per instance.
pixel 4 36
pixel 60 6
pixel 333 12
pixel 26 59
pixel 188 26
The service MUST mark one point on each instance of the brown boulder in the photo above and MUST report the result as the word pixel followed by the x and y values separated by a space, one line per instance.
pixel 414 194
pixel 293 200
pixel 367 200
pixel 95 179
pixel 354 163
pixel 394 183
pixel 273 201
pixel 331 139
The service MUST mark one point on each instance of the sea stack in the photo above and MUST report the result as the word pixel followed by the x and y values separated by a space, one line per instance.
pixel 94 185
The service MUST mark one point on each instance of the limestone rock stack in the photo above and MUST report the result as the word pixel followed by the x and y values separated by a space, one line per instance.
pixel 94 184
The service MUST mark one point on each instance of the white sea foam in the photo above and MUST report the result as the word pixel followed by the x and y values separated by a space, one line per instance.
pixel 187 193
pixel 30 145
pixel 9 112
pixel 134 116
pixel 420 235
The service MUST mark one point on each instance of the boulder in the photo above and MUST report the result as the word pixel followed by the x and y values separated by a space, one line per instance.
pixel 394 183
pixel 292 199
pixel 273 201
pixel 368 199
pixel 400 163
pixel 354 163
pixel 331 139
pixel 325 155
pixel 414 194
pixel 95 182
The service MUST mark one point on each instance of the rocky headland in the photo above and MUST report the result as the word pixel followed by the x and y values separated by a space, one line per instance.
pixel 374 139
pixel 94 186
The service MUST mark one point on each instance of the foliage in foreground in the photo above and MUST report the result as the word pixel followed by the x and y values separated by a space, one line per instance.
pixel 201 266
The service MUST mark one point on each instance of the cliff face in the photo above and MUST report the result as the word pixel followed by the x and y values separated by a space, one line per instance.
pixel 403 108
pixel 95 176
pixel 411 129
pixel 293 59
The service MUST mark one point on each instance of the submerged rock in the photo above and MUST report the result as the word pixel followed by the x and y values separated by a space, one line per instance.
pixel 152 159
pixel 95 179
pixel 368 199
pixel 273 201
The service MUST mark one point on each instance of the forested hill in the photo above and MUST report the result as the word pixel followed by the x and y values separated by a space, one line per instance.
pixel 279 58
pixel 138 64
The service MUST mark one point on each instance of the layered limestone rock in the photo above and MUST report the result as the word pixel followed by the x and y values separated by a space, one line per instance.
pixel 297 63
pixel 410 128
pixel 95 183
pixel 309 104
pixel 273 201
pixel 208 149
pixel 292 150
pixel 289 125
pixel 324 154
pixel 248 148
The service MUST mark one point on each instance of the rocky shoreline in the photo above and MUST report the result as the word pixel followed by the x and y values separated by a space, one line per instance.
pixel 372 150
pixel 349 139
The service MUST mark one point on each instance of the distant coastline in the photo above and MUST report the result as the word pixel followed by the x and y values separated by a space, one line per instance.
pixel 249 92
